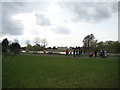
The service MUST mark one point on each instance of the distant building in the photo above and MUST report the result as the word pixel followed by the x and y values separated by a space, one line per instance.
pixel 62 48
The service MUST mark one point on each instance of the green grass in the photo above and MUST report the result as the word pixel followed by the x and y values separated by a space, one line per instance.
pixel 114 56
pixel 59 72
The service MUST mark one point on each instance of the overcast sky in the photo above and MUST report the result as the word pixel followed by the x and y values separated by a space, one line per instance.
pixel 61 23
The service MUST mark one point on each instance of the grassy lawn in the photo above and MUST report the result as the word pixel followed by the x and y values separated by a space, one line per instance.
pixel 59 72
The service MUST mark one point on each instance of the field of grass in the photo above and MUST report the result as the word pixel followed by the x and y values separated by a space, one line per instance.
pixel 24 71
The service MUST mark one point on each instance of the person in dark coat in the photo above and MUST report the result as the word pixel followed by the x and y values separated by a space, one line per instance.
pixel 95 53
pixel 79 53
pixel 103 53
pixel 74 53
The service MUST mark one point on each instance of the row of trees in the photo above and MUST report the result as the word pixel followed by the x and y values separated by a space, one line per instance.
pixel 40 44
pixel 10 48
pixel 14 47
pixel 109 46
pixel 91 44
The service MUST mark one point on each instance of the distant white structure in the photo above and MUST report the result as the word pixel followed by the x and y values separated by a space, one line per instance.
pixel 62 48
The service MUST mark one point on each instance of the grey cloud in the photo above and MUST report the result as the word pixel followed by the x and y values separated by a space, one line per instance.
pixel 66 21
pixel 10 26
pixel 42 20
pixel 90 11
pixel 13 27
pixel 24 7
pixel 62 30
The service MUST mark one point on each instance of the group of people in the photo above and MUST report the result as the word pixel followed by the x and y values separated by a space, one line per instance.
pixel 102 54
pixel 79 52
pixel 74 52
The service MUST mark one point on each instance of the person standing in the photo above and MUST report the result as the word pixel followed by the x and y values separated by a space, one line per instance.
pixel 79 53
pixel 101 53
pixel 95 53
pixel 105 52
pixel 74 53
pixel 67 52
pixel 70 52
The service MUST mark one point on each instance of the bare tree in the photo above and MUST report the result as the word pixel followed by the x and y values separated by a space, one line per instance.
pixel 37 40
pixel 28 42
pixel 44 41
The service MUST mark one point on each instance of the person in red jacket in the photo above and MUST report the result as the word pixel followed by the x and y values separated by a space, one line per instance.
pixel 67 52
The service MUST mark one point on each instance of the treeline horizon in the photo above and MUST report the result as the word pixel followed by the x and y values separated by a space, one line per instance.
pixel 110 46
